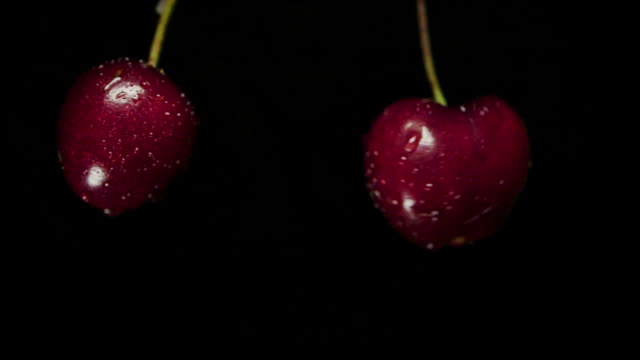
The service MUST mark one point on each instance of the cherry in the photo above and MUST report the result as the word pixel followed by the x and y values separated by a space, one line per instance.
pixel 125 131
pixel 446 176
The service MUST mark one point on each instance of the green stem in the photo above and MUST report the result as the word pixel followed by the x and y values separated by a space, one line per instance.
pixel 158 38
pixel 427 58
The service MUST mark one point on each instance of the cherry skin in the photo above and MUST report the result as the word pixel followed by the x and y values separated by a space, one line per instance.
pixel 446 176
pixel 124 132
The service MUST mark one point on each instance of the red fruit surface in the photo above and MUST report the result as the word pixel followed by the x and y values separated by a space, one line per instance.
pixel 446 176
pixel 124 132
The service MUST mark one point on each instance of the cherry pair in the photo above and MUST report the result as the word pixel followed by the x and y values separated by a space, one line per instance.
pixel 441 176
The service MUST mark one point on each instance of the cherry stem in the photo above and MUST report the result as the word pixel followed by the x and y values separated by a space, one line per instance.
pixel 158 38
pixel 427 58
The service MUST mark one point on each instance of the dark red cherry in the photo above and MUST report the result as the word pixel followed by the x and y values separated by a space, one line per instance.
pixel 446 176
pixel 125 131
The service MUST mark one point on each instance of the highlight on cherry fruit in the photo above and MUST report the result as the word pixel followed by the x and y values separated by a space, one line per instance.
pixel 125 130
pixel 442 175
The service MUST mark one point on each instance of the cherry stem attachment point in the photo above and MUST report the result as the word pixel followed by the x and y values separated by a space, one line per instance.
pixel 158 38
pixel 427 57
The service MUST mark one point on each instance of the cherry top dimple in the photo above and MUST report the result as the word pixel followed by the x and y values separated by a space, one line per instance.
pixel 125 130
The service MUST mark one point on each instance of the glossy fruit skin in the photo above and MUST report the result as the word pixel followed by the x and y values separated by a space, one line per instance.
pixel 124 132
pixel 446 176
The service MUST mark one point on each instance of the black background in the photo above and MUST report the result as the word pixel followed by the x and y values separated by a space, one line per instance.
pixel 271 231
